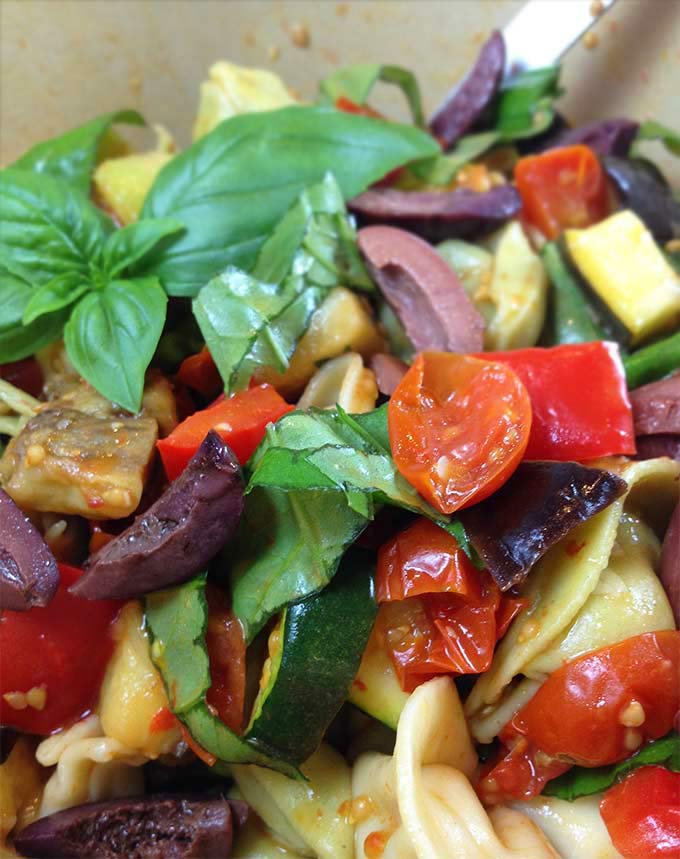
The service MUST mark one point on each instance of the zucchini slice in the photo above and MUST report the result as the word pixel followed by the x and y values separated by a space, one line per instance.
pixel 375 689
pixel 314 653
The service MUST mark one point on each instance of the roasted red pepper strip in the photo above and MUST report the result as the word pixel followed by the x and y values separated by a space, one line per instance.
pixel 227 652
pixel 52 659
pixel 579 400
pixel 443 616
pixel 596 710
pixel 642 814
pixel 240 420
pixel 200 373
pixel 562 188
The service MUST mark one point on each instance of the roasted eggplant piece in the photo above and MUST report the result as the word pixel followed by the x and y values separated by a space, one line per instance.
pixel 177 535
pixel 656 407
pixel 642 188
pixel 607 137
pixel 28 570
pixel 670 564
pixel 438 215
pixel 423 291
pixel 474 94
pixel 538 506
pixel 150 827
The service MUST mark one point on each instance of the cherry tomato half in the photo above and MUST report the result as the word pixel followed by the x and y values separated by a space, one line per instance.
pixel 458 427
pixel 52 659
pixel 561 188
pixel 642 814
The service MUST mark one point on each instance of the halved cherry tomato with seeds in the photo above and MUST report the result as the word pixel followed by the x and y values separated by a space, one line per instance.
pixel 458 427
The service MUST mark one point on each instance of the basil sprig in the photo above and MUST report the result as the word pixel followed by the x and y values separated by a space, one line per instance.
pixel 232 186
pixel 64 265
pixel 72 156
pixel 356 83
pixel 582 781
pixel 251 320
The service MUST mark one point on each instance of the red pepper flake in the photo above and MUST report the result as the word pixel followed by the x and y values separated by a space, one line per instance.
pixel 361 686
pixel 573 547
pixel 161 721
pixel 199 751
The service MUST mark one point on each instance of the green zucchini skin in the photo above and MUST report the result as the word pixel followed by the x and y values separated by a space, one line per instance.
pixel 322 641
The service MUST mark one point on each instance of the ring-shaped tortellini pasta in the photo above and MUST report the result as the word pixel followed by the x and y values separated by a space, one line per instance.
pixel 90 767
pixel 576 829
pixel 121 183
pixel 343 381
pixel 231 90
pixel 305 817
pixel 420 803
pixel 132 692
pixel 21 785
pixel 341 324
pixel 596 587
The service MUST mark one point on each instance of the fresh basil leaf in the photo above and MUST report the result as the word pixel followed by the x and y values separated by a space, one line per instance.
pixel 356 82
pixel 652 130
pixel 47 227
pixel 71 156
pixel 177 620
pixel 288 546
pixel 112 335
pixel 132 243
pixel 251 321
pixel 57 294
pixel 375 424
pixel 327 443
pixel 442 169
pixel 581 781
pixel 524 106
pixel 231 187
pixel 18 341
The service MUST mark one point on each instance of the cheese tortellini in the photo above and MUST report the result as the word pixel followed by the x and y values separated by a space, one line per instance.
pixel 303 817
pixel 576 829
pixel 343 381
pixel 233 89
pixel 596 587
pixel 420 804
pixel 21 785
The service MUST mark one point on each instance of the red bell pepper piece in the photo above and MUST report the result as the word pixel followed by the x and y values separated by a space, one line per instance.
pixel 579 400
pixel 562 188
pixel 240 420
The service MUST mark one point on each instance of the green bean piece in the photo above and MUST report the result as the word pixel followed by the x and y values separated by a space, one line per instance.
pixel 653 362
pixel 573 320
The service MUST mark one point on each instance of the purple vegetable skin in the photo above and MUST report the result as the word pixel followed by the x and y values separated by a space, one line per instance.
pixel 653 446
pixel 28 570
pixel 388 372
pixel 423 291
pixel 149 827
pixel 538 506
pixel 471 98
pixel 643 189
pixel 177 535
pixel 438 215
pixel 608 137
pixel 670 564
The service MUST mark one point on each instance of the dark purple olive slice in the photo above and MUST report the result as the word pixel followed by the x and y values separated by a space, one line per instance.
pixel 538 506
pixel 642 188
pixel 149 827
pixel 388 372
pixel 653 446
pixel 606 137
pixel 423 291
pixel 438 215
pixel 28 571
pixel 656 407
pixel 177 536
pixel 474 94
pixel 670 564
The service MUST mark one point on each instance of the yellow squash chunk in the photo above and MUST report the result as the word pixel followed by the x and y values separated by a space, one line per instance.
pixel 232 90
pixel 21 786
pixel 343 323
pixel 622 263
pixel 120 185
